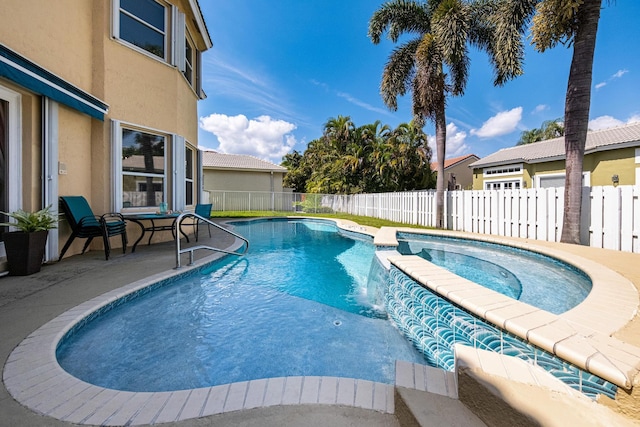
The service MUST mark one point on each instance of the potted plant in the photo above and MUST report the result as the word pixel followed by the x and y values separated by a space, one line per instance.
pixel 25 247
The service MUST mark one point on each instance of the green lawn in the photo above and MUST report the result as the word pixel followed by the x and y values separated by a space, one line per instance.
pixel 362 220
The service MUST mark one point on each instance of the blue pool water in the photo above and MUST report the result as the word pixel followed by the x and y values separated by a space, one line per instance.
pixel 536 279
pixel 296 304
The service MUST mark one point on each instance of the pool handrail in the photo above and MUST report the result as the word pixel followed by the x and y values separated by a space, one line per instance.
pixel 194 248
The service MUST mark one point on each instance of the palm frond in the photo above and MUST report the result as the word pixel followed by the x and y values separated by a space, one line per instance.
pixel 397 17
pixel 398 73
pixel 510 21
pixel 451 25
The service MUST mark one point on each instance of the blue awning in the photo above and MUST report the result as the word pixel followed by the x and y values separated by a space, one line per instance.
pixel 25 73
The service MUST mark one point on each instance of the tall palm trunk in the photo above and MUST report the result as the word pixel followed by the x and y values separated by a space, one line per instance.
pixel 576 114
pixel 441 138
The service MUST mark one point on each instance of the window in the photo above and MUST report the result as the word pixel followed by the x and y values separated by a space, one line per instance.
pixel 143 24
pixel 158 29
pixel 502 185
pixel 188 173
pixel 503 170
pixel 151 166
pixel 189 60
pixel 143 168
pixel 142 186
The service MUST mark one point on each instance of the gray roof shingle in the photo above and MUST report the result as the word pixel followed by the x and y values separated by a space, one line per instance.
pixel 215 160
pixel 553 149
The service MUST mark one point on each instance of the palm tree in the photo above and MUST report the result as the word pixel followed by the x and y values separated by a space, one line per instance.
pixel 297 171
pixel 434 64
pixel 339 131
pixel 550 129
pixel 529 136
pixel 574 24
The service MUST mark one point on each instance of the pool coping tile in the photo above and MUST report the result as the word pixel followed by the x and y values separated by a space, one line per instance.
pixel 612 302
pixel 195 404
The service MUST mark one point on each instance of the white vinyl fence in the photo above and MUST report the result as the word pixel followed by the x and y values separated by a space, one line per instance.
pixel 610 215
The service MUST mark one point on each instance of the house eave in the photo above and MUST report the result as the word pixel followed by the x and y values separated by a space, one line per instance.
pixel 223 168
pixel 202 26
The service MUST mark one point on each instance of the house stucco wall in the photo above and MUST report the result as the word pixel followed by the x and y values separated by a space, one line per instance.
pixel 73 40
pixel 604 164
pixel 534 170
pixel 55 35
pixel 601 166
pixel 228 180
pixel 462 172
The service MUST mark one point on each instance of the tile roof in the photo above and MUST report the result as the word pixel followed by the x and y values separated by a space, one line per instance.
pixel 553 149
pixel 454 161
pixel 215 160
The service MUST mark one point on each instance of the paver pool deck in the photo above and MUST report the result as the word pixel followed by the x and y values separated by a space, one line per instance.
pixel 27 303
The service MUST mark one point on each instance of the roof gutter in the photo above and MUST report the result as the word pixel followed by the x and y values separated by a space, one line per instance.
pixel 202 26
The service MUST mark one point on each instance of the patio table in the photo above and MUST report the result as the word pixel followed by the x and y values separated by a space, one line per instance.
pixel 152 218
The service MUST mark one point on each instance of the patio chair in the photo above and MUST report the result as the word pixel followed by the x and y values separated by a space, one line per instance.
pixel 204 210
pixel 84 224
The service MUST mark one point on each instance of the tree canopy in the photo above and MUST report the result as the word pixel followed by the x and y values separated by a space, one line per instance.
pixel 550 129
pixel 371 158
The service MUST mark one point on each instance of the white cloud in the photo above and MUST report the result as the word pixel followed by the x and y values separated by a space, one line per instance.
pixel 501 124
pixel 455 143
pixel 605 122
pixel 634 119
pixel 262 137
pixel 540 108
pixel 619 74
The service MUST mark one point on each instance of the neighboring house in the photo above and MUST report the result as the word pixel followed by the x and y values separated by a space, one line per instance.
pixel 612 157
pixel 99 99
pixel 238 172
pixel 457 173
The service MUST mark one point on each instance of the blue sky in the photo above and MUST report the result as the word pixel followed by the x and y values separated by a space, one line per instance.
pixel 279 69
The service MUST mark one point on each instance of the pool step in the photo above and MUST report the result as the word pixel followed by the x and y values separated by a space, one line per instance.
pixel 427 396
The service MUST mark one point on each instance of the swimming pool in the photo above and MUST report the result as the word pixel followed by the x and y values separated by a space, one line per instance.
pixel 34 378
pixel 296 305
pixel 533 278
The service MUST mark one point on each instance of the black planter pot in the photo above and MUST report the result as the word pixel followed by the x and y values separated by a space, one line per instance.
pixel 25 251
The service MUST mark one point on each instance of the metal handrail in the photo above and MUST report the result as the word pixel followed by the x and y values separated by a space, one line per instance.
pixel 194 248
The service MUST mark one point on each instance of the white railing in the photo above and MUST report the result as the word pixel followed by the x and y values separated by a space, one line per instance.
pixel 610 215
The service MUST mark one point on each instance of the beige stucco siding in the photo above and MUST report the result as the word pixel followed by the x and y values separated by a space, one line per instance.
pixel 463 174
pixel 227 180
pixel 162 100
pixel 29 26
pixel 75 152
pixel 73 40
